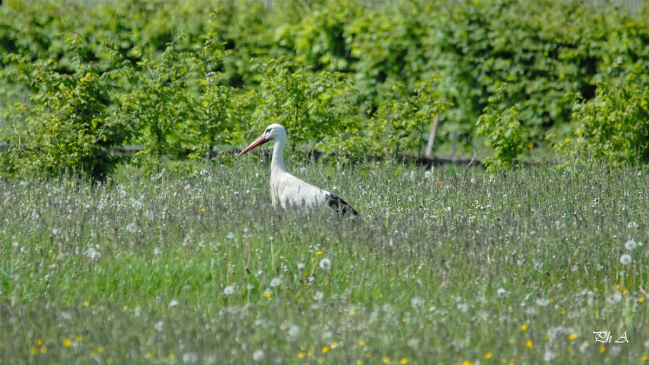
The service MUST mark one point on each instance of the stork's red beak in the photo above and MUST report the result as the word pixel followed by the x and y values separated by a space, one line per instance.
pixel 258 142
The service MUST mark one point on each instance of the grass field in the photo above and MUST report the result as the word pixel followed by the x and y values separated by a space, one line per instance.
pixel 199 268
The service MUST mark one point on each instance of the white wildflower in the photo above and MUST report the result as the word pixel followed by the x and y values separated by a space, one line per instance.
pixel 318 295
pixel 190 358
pixel 159 326
pixel 92 254
pixel 542 302
pixel 630 245
pixel 548 356
pixel 173 303
pixel 258 355
pixel 615 298
pixel 294 331
pixel 501 291
pixel 632 225
pixel 275 282
pixel 131 227
pixel 416 302
pixel 325 264
pixel 228 290
pixel 625 259
pixel 463 307
pixel 583 347
pixel 300 266
pixel 229 236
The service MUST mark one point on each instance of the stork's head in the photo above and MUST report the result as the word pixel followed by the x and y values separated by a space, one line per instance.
pixel 273 132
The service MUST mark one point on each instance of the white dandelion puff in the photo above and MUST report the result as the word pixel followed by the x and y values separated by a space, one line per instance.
pixel 275 282
pixel 501 292
pixel 463 307
pixel 416 302
pixel 428 174
pixel 131 227
pixel 173 303
pixel 250 286
pixel 318 296
pixel 228 290
pixel 56 231
pixel 159 326
pixel 630 245
pixel 583 347
pixel 615 298
pixel 625 259
pixel 190 358
pixel 548 356
pixel 632 225
pixel 92 254
pixel 258 355
pixel 542 302
pixel 229 236
pixel 300 266
pixel 294 331
pixel 325 264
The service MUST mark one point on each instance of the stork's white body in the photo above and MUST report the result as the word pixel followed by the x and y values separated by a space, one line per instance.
pixel 287 190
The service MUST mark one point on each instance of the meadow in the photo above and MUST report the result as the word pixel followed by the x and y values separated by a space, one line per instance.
pixel 198 268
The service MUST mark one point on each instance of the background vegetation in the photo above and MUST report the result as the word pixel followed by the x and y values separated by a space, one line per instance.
pixel 346 77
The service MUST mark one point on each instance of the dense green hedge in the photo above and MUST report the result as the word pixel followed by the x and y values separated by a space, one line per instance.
pixel 365 80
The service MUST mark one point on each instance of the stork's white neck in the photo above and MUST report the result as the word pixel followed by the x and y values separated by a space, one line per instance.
pixel 277 162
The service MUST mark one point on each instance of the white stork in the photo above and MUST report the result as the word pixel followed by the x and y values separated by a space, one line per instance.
pixel 287 190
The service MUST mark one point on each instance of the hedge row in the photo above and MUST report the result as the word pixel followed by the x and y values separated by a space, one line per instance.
pixel 393 67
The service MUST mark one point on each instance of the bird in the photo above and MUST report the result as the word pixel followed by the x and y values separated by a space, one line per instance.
pixel 287 190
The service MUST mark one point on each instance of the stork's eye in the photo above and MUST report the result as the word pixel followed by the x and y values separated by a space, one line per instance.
pixel 268 130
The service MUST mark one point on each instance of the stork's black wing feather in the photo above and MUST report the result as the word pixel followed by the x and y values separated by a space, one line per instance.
pixel 339 205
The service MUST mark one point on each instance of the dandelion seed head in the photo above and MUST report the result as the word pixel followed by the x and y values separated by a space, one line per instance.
pixel 258 355
pixel 229 236
pixel 501 291
pixel 190 358
pixel 131 227
pixel 173 303
pixel 294 331
pixel 300 266
pixel 542 302
pixel 416 302
pixel 630 245
pixel 548 356
pixel 318 295
pixel 325 264
pixel 615 298
pixel 228 290
pixel 625 259
pixel 632 225
pixel 275 282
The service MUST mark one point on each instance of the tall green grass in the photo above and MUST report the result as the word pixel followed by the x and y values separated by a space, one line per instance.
pixel 198 268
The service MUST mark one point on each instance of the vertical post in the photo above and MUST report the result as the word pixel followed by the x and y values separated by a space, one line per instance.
pixel 431 137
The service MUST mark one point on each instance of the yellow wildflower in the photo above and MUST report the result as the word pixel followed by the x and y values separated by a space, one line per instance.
pixel 202 209
pixel 645 358
pixel 101 349
pixel 572 336
pixel 361 343
pixel 325 350
pixel 530 344
pixel 403 361
pixel 310 353
pixel 487 355
pixel 67 342
pixel 319 253
pixel 79 338
pixel 334 345
pixel 172 356
pixel 301 355
pixel 34 350
pixel 602 349
pixel 524 327
pixel 40 341
pixel 351 312
pixel 43 349
pixel 386 360
pixel 359 362
pixel 641 300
